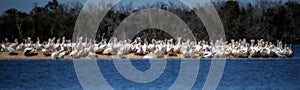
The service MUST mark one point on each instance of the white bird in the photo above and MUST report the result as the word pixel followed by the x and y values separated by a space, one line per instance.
pixel 54 55
pixel 102 47
pixel 144 48
pixel 29 51
pixel 20 47
pixel 253 53
pixel 107 50
pixel 193 52
pixel 272 51
pixel 139 50
pixel 3 47
pixel 92 55
pixel 122 52
pixel 97 48
pixel 235 51
pixel 155 49
pixel 83 53
pixel 207 54
pixel 38 45
pixel 244 51
pixel 159 51
pixel 227 52
pixel 219 53
pixel 73 54
pixel 280 53
pixel 185 50
pixel 12 51
pixel 62 54
pixel 264 52
pixel 46 52
pixel 151 46
pixel 12 48
pixel 177 47
pixel 170 48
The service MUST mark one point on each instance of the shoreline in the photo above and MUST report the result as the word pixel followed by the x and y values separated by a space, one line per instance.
pixel 40 56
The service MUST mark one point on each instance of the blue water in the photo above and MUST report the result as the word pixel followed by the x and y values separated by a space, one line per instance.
pixel 259 73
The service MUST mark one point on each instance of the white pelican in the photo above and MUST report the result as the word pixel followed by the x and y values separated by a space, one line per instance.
pixel 264 52
pixel 84 52
pixel 92 55
pixel 62 54
pixel 139 50
pixel 272 51
pixel 123 50
pixel 198 49
pixel 144 47
pixel 107 50
pixel 115 46
pixel 227 52
pixel 38 45
pixel 29 51
pixel 46 52
pixel 177 47
pixel 244 51
pixel 186 50
pixel 207 54
pixel 73 54
pixel 20 47
pixel 235 51
pixel 46 48
pixel 127 47
pixel 12 48
pixel 28 42
pixel 159 51
pixel 170 48
pixel 151 46
pixel 219 53
pixel 54 55
pixel 193 52
pixel 155 49
pixel 102 47
pixel 3 47
pixel 56 46
pixel 97 48
pixel 12 51
pixel 280 53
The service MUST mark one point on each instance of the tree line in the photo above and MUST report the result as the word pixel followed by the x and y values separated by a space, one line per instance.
pixel 261 20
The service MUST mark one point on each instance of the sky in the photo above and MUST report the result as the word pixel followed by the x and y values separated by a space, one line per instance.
pixel 27 5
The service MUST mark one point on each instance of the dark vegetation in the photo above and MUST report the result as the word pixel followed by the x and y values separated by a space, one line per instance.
pixel 264 19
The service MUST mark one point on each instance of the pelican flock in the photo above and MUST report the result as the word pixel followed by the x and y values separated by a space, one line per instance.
pixel 88 48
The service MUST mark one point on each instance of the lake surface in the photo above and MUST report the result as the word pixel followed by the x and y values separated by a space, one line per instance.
pixel 258 73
